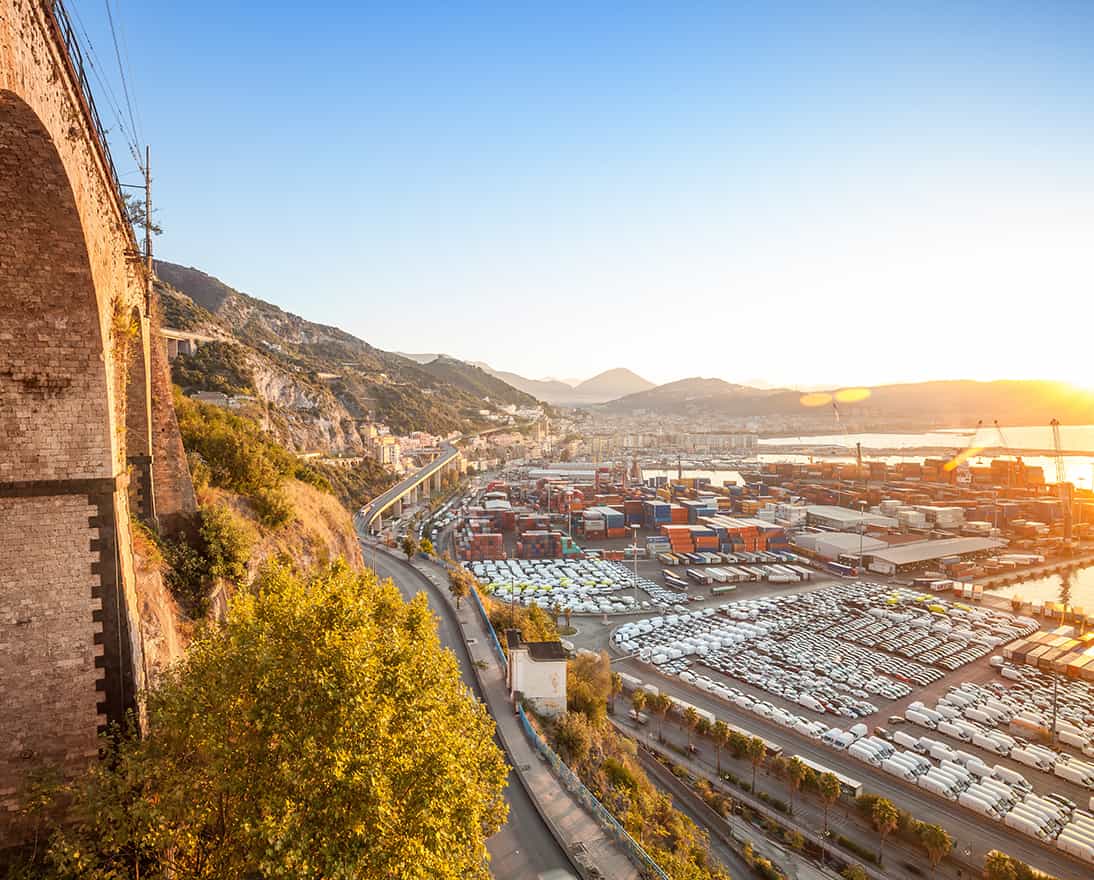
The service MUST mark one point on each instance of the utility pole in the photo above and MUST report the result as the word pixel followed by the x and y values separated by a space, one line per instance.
pixel 148 224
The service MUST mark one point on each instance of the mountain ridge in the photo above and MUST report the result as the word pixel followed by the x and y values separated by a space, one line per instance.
pixel 321 386
pixel 938 402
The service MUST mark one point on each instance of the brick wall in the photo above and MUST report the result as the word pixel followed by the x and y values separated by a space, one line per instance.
pixel 47 639
pixel 74 411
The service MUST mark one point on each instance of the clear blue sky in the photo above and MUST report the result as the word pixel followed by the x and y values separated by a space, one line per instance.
pixel 845 193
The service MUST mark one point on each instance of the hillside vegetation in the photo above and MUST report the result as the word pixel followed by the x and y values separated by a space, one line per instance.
pixel 289 743
pixel 317 384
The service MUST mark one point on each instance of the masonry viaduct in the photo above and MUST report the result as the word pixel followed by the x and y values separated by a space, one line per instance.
pixel 88 437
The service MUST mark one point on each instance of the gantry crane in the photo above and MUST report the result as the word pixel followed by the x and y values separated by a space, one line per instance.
pixel 1064 489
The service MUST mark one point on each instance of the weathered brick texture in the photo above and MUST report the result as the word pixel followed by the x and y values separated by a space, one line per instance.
pixel 76 419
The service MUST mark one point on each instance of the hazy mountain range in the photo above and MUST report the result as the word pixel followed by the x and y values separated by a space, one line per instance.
pixel 601 388
pixel 326 382
pixel 914 405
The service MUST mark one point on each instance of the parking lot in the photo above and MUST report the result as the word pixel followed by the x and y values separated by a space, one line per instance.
pixel 816 661
pixel 840 649
pixel 582 586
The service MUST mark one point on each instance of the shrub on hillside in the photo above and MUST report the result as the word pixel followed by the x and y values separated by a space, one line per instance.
pixel 231 452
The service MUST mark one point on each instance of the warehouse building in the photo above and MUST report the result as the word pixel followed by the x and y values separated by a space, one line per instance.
pixel 843 519
pixel 832 545
pixel 908 557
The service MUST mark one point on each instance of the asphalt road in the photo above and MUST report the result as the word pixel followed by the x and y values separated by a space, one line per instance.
pixel 524 847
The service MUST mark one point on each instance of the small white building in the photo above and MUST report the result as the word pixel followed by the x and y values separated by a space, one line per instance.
pixel 537 672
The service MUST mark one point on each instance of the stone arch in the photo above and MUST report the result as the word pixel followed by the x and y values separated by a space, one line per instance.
pixel 66 652
pixel 54 402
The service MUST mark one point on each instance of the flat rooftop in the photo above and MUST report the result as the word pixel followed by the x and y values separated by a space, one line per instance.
pixel 925 551
pixel 846 516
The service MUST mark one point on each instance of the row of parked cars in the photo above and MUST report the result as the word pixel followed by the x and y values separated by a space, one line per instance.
pixel 995 792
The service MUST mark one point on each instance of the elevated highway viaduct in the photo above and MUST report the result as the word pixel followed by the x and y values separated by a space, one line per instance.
pixel 412 488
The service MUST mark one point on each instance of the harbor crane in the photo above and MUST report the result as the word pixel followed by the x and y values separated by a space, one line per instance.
pixel 1064 489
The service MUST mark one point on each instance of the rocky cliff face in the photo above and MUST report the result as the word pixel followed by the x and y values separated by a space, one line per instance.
pixel 317 385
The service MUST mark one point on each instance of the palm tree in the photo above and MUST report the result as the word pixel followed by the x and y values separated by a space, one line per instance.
pixel 756 751
pixel 567 611
pixel 638 701
pixel 615 689
pixel 795 773
pixel 885 818
pixel 720 735
pixel 830 790
pixel 936 841
pixel 661 705
pixel 690 720
pixel 999 866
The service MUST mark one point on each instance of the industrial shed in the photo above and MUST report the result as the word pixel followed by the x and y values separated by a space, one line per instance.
pixel 905 557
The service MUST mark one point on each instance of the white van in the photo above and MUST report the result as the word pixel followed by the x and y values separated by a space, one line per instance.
pixel 1011 777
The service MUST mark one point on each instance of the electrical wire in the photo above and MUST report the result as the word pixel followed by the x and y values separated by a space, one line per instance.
pixel 129 67
pixel 121 73
pixel 95 63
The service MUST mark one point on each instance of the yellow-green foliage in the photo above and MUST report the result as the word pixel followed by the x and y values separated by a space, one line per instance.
pixel 608 765
pixel 535 624
pixel 320 732
pixel 235 454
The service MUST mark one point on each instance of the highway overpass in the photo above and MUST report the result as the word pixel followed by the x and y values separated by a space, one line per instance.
pixel 412 488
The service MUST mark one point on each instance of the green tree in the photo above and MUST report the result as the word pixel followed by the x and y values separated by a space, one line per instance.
pixel 573 737
pixel 615 689
pixel 830 790
pixel 935 841
pixel 588 685
pixel 228 541
pixel 426 546
pixel 999 866
pixel 409 546
pixel 638 700
pixel 756 751
pixel 795 775
pixel 854 872
pixel 288 743
pixel 885 819
pixel 690 720
pixel 459 584
pixel 720 736
pixel 661 704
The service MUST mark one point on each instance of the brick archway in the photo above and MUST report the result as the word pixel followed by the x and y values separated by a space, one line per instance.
pixel 66 653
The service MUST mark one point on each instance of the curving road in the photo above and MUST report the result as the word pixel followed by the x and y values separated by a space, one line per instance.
pixel 381 502
pixel 525 846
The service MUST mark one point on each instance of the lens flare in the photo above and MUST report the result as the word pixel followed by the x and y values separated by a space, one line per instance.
pixel 961 457
pixel 817 398
pixel 852 395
